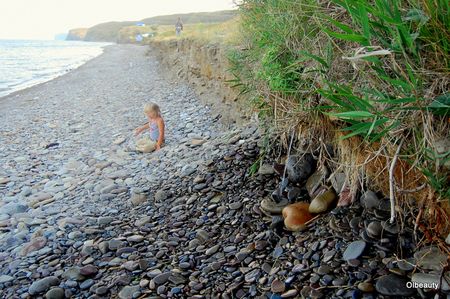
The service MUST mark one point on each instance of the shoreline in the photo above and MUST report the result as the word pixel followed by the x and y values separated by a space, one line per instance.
pixel 26 89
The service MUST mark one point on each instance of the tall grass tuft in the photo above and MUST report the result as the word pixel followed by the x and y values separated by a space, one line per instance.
pixel 375 71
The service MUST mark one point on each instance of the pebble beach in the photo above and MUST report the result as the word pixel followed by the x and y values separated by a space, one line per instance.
pixel 82 215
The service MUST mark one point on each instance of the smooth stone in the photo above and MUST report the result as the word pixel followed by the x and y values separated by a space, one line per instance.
pixel 354 250
pixel 162 278
pixel 261 245
pixel 315 181
pixel 266 169
pixel 374 229
pixel 130 265
pixel 393 285
pixel 338 181
pixel 43 285
pixel 392 228
pixel 34 245
pixel 212 250
pixel 55 293
pixel 406 265
pixel 277 286
pixel 235 205
pixel 104 220
pixel 86 284
pixel 447 240
pixel 296 216
pixel 88 270
pixel 137 199
pixel 101 290
pixel 271 207
pixel 430 258
pixel 114 244
pixel 161 195
pixel 369 200
pixel 184 265
pixel 6 278
pixel 289 294
pixel 12 208
pixel 322 202
pixel 324 269
pixel 366 287
pixel 142 221
pixel 128 292
pixel 135 239
pixel 73 273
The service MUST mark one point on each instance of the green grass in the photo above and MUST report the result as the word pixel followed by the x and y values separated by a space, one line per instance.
pixel 378 69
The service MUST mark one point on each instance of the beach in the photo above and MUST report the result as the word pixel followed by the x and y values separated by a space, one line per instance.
pixel 68 174
pixel 82 215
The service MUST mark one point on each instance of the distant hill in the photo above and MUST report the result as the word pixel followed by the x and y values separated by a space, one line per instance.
pixel 109 32
pixel 193 18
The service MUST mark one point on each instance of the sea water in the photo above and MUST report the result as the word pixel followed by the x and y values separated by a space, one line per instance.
pixel 24 63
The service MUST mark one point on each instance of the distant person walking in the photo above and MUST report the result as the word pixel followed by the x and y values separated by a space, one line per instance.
pixel 178 27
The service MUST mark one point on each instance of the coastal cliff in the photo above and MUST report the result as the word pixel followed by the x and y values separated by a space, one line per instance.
pixel 204 66
pixel 77 34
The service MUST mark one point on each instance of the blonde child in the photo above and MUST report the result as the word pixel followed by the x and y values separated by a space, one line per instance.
pixel 155 126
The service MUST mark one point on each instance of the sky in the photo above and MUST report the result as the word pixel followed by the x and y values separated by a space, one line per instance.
pixel 42 19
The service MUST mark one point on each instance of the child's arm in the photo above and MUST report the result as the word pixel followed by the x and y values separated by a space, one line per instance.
pixel 140 129
pixel 161 133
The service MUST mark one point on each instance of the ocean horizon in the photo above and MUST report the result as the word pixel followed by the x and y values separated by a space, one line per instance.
pixel 25 63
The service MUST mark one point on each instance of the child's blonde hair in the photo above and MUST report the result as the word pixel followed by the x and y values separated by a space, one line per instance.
pixel 152 107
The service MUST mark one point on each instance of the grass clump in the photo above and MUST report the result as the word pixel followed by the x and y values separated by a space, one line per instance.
pixel 375 73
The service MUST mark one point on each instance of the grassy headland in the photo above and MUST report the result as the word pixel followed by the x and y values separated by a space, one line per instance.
pixel 121 31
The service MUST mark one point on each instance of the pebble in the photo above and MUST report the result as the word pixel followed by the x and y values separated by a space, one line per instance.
pixel 212 250
pixel 6 278
pixel 374 229
pixel 393 285
pixel 430 258
pixel 88 270
pixel 369 200
pixel 128 292
pixel 42 285
pixel 289 294
pixel 354 250
pixel 266 169
pixel 277 286
pixel 55 293
pixel 161 278
pixel 366 287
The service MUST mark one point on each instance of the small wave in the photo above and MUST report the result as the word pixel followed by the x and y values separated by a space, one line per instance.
pixel 27 63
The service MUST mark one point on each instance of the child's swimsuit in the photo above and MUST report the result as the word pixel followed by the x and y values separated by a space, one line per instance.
pixel 154 131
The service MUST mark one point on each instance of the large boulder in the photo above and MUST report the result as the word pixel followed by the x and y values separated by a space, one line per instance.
pixel 300 167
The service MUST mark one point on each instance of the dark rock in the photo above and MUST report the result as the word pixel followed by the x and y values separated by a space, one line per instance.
pixel 300 167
